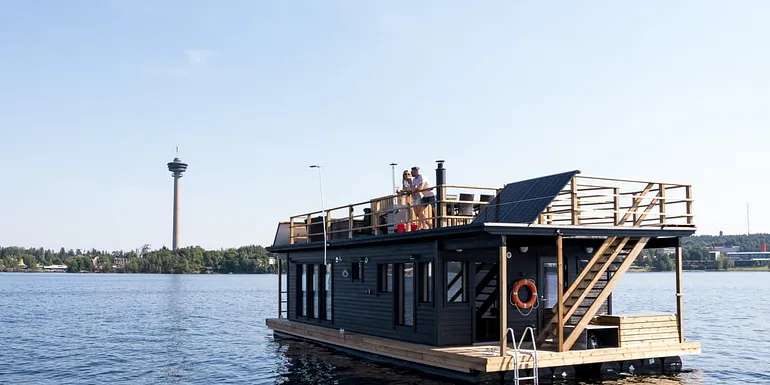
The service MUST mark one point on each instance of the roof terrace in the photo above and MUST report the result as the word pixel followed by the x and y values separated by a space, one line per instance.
pixel 568 198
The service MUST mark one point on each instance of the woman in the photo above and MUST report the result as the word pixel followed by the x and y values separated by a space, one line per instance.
pixel 415 197
pixel 417 208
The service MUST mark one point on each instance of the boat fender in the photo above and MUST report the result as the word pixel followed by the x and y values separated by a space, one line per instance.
pixel 530 284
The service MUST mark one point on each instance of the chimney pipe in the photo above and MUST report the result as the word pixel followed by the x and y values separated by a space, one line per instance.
pixel 440 182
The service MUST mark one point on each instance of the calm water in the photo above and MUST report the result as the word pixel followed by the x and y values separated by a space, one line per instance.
pixel 204 329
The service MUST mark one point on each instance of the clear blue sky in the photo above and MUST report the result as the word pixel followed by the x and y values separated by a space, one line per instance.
pixel 95 95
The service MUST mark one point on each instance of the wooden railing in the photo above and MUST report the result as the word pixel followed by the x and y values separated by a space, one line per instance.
pixel 458 206
pixel 586 201
pixel 589 200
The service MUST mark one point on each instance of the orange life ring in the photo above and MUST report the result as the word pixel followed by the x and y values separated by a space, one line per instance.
pixel 530 284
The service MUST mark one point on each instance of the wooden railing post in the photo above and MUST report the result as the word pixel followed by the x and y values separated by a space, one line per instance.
pixel 351 210
pixel 291 230
pixel 662 203
pixel 616 204
pixel 574 205
pixel 328 215
pixel 688 204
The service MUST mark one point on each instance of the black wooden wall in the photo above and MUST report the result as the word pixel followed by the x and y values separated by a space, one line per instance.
pixel 358 305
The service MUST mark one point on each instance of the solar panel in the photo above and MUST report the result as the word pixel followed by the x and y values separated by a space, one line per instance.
pixel 522 202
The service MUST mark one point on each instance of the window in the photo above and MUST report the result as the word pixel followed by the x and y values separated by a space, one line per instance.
pixel 303 292
pixel 328 283
pixel 316 272
pixel 425 282
pixel 357 271
pixel 406 294
pixel 456 279
pixel 385 278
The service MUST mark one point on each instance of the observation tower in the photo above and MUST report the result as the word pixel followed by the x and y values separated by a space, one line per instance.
pixel 177 167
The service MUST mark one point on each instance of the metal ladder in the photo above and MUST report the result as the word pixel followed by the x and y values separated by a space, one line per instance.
pixel 284 313
pixel 516 350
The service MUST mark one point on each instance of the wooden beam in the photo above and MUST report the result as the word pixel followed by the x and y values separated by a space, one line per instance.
pixel 637 202
pixel 502 289
pixel 679 299
pixel 560 291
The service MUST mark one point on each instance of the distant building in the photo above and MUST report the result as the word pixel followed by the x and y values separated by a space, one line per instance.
pixel 749 258
pixel 725 249
pixel 55 268
pixel 714 255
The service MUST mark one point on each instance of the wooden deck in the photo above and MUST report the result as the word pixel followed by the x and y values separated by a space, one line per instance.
pixel 585 201
pixel 486 358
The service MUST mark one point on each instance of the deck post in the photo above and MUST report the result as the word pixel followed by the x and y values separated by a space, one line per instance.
pixel 560 292
pixel 280 285
pixel 502 285
pixel 679 299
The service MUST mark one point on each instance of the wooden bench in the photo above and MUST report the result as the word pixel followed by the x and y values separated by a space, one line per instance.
pixel 642 330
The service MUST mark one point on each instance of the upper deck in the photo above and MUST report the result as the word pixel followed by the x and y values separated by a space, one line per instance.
pixel 567 199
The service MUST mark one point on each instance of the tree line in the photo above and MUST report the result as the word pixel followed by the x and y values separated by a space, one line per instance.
pixel 252 259
pixel 695 250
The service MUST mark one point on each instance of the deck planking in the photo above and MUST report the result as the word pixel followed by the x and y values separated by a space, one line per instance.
pixel 480 358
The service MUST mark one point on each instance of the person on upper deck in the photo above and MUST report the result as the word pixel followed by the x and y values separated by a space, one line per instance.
pixel 419 186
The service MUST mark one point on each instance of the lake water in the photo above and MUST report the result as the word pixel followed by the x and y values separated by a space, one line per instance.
pixel 205 329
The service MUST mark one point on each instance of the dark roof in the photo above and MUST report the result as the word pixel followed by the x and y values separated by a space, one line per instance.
pixel 524 201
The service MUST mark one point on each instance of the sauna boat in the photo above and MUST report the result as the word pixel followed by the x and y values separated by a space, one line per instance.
pixel 513 282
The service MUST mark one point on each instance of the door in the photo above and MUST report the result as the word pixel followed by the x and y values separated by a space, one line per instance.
pixel 486 302
pixel 548 287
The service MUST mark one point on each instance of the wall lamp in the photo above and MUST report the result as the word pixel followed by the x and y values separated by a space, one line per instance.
pixel 523 249
pixel 589 249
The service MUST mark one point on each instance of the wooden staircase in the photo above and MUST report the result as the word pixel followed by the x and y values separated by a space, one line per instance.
pixel 584 298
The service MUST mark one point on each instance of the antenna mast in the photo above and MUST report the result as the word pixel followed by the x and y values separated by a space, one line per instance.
pixel 748 228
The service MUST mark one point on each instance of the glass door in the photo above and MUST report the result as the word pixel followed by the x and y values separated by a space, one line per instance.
pixel 548 286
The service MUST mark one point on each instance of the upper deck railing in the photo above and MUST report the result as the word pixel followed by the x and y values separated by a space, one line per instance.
pixel 584 201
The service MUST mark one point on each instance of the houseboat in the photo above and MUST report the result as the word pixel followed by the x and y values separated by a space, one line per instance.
pixel 512 282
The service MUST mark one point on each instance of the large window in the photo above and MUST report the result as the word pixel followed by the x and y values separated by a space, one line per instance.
pixel 316 310
pixel 328 289
pixel 303 280
pixel 406 294
pixel 456 278
pixel 385 278
pixel 425 282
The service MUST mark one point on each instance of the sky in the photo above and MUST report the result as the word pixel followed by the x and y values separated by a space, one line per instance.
pixel 95 96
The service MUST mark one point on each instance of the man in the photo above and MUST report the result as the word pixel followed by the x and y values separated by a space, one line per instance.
pixel 428 197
